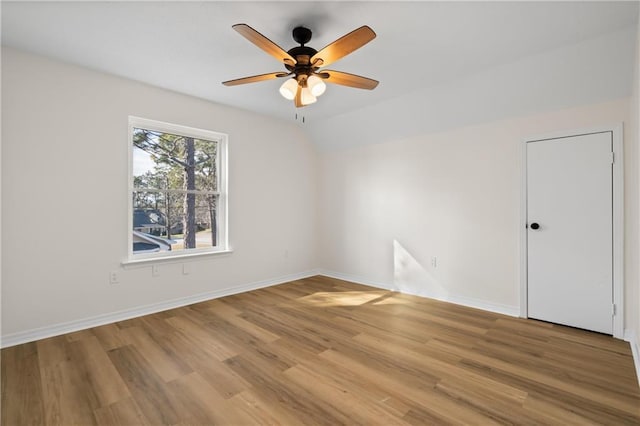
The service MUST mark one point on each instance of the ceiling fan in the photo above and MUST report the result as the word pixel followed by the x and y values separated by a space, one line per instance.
pixel 303 63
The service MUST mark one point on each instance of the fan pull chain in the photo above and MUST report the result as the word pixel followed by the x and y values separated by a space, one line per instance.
pixel 297 117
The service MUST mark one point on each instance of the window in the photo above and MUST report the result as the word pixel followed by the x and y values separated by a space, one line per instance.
pixel 177 190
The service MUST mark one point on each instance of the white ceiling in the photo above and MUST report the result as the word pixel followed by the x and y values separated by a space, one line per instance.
pixel 189 47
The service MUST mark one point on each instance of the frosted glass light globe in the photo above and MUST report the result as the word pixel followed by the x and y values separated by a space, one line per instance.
pixel 316 85
pixel 307 97
pixel 289 88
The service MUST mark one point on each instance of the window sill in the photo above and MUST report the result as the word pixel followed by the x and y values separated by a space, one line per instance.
pixel 172 259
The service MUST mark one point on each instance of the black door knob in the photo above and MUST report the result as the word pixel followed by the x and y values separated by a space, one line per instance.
pixel 534 225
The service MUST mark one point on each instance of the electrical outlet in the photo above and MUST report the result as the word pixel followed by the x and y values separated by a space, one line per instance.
pixel 434 261
pixel 186 269
pixel 155 270
pixel 113 277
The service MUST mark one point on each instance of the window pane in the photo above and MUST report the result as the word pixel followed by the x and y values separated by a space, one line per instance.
pixel 169 161
pixel 178 178
pixel 174 221
pixel 203 221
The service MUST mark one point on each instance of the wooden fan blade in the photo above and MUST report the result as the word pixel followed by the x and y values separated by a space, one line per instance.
pixel 346 79
pixel 264 43
pixel 298 99
pixel 343 46
pixel 255 78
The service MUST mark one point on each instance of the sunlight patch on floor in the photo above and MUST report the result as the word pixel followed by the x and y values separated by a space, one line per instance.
pixel 343 298
pixel 393 300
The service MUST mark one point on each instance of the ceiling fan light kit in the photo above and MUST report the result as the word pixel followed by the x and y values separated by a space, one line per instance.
pixel 303 64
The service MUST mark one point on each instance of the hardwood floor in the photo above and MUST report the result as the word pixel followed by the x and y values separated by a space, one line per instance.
pixel 321 351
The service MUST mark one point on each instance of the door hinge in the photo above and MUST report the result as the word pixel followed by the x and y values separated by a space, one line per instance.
pixel 615 311
pixel 613 157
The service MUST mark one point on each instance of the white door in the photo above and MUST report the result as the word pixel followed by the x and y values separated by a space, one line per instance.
pixel 570 231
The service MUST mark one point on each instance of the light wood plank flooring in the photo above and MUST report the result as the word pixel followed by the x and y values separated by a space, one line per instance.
pixel 321 351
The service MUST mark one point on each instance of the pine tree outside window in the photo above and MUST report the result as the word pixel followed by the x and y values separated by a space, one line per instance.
pixel 177 190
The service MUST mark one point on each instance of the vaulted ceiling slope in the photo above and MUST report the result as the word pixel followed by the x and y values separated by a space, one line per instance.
pixel 440 64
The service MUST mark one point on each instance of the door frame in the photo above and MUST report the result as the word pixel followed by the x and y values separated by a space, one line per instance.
pixel 618 218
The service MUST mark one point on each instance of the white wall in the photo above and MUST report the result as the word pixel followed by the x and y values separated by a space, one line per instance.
pixel 387 209
pixel 635 129
pixel 64 193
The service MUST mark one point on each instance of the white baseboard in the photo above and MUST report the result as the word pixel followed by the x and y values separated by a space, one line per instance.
pixel 498 308
pixel 355 279
pixel 82 324
pixel 512 311
pixel 631 337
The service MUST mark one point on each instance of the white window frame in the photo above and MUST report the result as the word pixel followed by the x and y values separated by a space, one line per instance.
pixel 222 221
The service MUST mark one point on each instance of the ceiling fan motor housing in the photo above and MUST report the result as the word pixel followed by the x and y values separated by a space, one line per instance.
pixel 302 53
